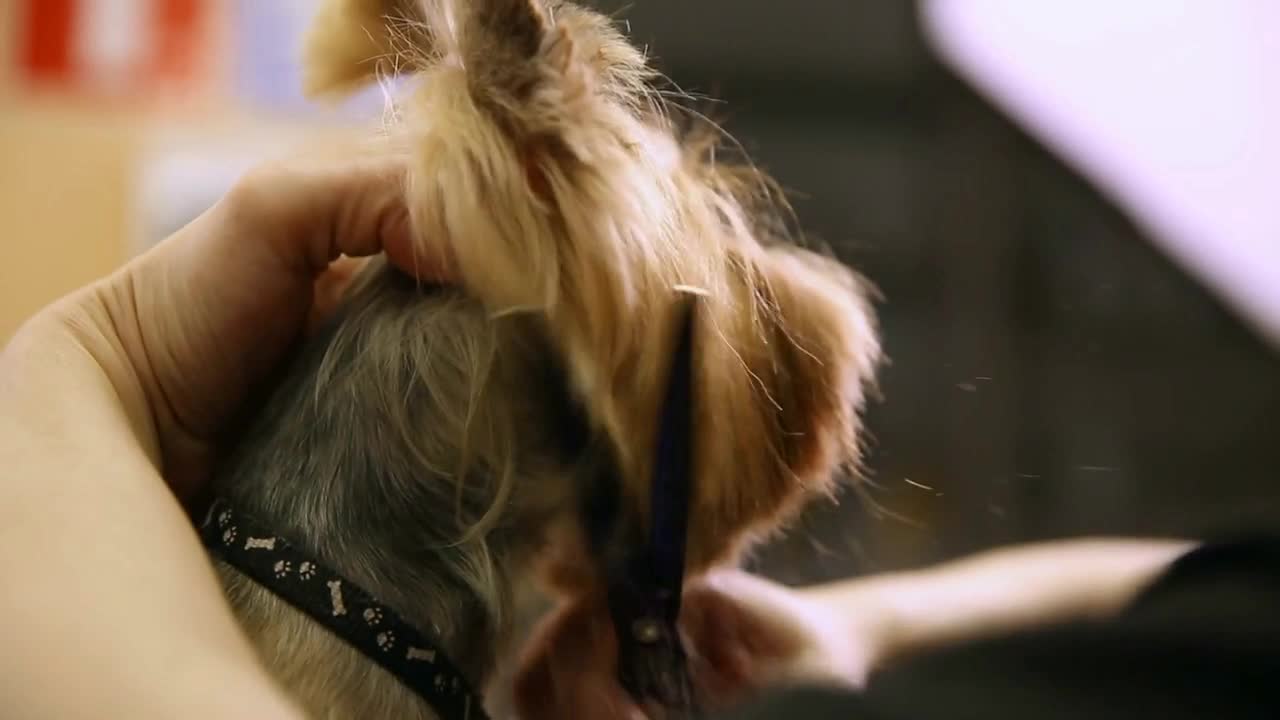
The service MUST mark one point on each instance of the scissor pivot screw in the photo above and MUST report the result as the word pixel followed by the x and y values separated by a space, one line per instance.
pixel 647 631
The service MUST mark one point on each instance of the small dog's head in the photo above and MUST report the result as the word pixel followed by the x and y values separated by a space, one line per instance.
pixel 544 157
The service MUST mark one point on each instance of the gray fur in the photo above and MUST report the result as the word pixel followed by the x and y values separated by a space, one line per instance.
pixel 419 447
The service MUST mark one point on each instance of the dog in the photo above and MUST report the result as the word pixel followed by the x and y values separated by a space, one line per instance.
pixel 431 445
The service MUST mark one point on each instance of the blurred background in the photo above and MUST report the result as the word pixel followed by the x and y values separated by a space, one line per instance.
pixel 1076 310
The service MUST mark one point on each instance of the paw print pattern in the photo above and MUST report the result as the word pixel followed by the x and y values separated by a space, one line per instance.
pixel 271 556
pixel 386 640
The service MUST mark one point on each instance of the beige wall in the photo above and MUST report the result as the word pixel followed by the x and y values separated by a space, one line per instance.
pixel 63 184
pixel 64 202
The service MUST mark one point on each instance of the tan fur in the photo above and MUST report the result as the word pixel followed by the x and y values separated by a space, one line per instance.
pixel 544 157
pixel 353 41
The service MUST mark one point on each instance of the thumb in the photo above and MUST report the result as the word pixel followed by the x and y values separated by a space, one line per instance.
pixel 745 633
pixel 426 259
pixel 320 210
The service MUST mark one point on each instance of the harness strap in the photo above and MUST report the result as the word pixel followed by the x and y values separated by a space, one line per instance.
pixel 343 608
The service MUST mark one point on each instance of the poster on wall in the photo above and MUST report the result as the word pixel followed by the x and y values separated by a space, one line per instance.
pixel 114 49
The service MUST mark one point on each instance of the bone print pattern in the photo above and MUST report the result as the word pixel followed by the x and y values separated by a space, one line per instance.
pixel 254 543
pixel 347 610
pixel 335 598
pixel 414 653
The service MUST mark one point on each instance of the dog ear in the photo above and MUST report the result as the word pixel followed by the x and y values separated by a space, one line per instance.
pixel 826 353
pixel 779 432
pixel 498 32
pixel 350 42
pixel 518 121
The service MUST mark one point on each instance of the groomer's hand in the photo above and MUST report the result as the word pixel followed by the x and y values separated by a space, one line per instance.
pixel 111 401
pixel 745 633
pixel 188 328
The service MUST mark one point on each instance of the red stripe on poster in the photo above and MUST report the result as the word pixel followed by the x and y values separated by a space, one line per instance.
pixel 48 27
pixel 177 38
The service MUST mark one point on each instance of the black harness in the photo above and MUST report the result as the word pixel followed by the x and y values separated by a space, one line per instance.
pixel 644 589
pixel 343 608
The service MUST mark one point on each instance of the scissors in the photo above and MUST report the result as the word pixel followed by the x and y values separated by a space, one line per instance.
pixel 645 588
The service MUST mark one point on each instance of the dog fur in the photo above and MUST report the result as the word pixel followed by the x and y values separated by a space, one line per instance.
pixel 429 443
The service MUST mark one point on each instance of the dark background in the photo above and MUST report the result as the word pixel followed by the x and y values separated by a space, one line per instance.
pixel 1053 374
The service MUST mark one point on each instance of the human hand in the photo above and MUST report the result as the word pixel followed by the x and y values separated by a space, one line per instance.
pixel 187 330
pixel 135 378
pixel 746 633
pixel 743 634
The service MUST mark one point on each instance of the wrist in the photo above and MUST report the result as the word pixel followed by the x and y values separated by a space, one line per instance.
pixel 70 354
pixel 79 491
pixel 834 639
pixel 859 624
